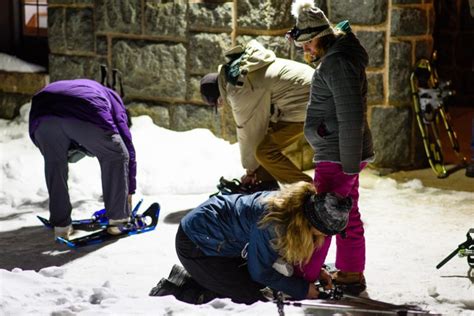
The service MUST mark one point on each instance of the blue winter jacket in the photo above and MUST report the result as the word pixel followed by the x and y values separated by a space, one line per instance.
pixel 224 224
pixel 89 101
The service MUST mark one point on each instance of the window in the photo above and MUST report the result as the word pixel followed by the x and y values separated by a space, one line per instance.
pixel 35 17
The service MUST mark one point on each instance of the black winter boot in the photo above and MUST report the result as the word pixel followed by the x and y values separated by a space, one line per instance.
pixel 181 285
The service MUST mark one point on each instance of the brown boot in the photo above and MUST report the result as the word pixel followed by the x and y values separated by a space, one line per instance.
pixel 352 283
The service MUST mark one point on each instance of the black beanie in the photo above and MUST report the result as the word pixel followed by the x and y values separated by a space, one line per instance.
pixel 210 88
pixel 328 212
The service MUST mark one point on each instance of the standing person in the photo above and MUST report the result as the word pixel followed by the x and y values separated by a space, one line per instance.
pixel 268 97
pixel 337 129
pixel 71 118
pixel 236 245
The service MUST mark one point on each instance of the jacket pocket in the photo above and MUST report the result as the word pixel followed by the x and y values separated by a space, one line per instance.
pixel 317 132
pixel 323 131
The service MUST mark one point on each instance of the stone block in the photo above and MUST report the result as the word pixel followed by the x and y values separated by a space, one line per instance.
pixel 207 51
pixel 278 44
pixel 57 29
pixel 375 93
pixel 22 82
pixel 264 14
pixel 80 29
pixel 123 16
pixel 367 12
pixel 151 69
pixel 194 93
pixel 210 15
pixel 165 18
pixel 101 45
pixel 73 67
pixel 409 22
pixel 158 113
pixel 187 117
pixel 10 104
pixel 399 74
pixel 374 44
pixel 391 131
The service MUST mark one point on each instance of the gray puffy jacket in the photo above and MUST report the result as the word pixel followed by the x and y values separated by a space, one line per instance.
pixel 336 121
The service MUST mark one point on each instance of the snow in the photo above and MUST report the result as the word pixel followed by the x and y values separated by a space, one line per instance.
pixel 409 229
pixel 14 64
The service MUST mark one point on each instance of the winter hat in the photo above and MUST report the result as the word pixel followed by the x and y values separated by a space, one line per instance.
pixel 310 22
pixel 328 212
pixel 210 88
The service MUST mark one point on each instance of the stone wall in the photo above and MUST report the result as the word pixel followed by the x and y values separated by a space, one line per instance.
pixel 164 47
pixel 16 89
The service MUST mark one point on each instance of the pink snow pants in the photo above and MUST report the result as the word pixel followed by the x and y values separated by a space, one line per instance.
pixel 350 251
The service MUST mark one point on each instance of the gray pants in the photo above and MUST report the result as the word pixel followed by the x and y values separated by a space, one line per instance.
pixel 54 136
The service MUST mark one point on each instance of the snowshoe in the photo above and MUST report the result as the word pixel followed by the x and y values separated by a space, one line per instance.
pixel 429 97
pixel 141 223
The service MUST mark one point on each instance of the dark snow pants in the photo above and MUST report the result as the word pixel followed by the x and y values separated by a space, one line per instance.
pixel 227 277
pixel 54 136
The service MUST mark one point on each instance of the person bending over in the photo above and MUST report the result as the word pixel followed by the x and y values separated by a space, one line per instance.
pixel 69 119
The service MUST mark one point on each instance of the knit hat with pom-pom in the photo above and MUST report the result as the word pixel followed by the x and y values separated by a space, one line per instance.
pixel 310 22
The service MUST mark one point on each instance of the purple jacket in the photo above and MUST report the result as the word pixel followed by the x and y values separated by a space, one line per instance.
pixel 89 101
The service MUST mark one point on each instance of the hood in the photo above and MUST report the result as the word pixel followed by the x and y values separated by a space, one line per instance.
pixel 255 57
pixel 349 45
pixel 242 60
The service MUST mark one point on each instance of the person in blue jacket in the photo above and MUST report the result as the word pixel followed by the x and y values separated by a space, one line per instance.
pixel 73 118
pixel 236 245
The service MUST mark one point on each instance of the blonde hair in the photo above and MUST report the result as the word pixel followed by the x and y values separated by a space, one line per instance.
pixel 295 240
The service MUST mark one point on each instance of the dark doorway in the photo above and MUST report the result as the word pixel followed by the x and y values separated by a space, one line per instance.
pixel 454 41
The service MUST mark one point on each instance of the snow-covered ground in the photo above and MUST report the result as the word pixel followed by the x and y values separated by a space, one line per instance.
pixel 14 64
pixel 409 229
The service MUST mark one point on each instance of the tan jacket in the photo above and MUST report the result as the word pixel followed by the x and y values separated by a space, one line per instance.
pixel 272 89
